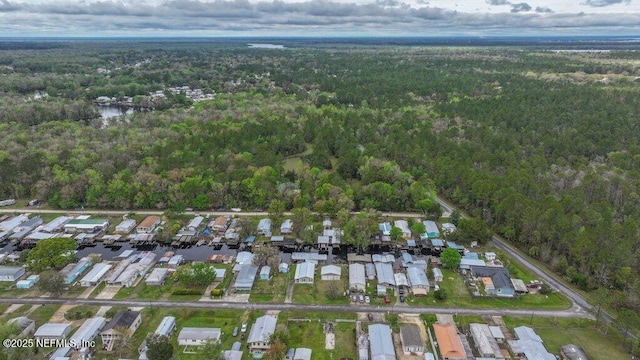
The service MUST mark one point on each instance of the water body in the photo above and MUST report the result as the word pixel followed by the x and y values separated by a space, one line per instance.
pixel 192 253
pixel 111 111
pixel 266 46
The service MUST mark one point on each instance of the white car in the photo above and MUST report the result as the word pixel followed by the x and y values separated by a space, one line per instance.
pixel 244 328
pixel 367 299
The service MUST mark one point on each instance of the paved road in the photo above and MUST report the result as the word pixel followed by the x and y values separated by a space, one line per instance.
pixel 576 298
pixel 35 210
pixel 569 313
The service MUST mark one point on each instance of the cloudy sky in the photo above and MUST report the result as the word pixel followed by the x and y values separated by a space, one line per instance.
pixel 317 17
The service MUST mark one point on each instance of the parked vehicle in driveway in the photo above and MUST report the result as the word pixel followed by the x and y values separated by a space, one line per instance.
pixel 367 299
pixel 235 331
pixel 386 299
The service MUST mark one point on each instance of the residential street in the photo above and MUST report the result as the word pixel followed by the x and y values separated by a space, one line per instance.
pixel 574 312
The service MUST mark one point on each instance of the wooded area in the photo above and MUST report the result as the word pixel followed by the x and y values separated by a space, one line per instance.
pixel 542 146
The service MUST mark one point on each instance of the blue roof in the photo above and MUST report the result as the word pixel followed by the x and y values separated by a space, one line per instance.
pixel 407 258
pixel 453 245
pixel 411 243
pixel 250 239
pixel 206 232
pixel 437 242
pixel 469 255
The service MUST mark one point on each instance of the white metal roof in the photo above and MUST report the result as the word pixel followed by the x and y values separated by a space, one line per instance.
pixel 417 277
pixel 89 329
pixel 96 273
pixel 356 275
pixel 166 326
pixel 246 276
pixel 10 270
pixel 53 330
pixel 403 225
pixel 400 279
pixel 244 257
pixel 331 270
pixel 381 342
pixel 305 270
pixel 384 272
pixel 55 224
pixel 262 329
pixel 157 275
pixel 485 342
pixel 195 222
pixel 196 333
pixel 431 227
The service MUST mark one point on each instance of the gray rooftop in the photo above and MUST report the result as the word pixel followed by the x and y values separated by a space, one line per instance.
pixel 195 333
pixel 53 330
pixel 417 277
pixel 384 271
pixel 381 342
pixel 411 335
pixel 262 329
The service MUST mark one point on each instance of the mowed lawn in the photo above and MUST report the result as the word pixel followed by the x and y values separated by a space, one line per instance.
pixel 273 290
pixel 558 332
pixel 458 295
pixel 310 334
pixel 322 291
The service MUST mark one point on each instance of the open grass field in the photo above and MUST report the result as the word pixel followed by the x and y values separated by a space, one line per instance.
pixel 307 330
pixel 558 332
pixel 322 292
pixel 458 295
pixel 273 290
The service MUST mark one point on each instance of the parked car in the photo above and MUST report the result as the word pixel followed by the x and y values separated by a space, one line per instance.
pixel 235 331
pixel 370 316
pixel 354 298
pixel 244 328
pixel 367 299
pixel 361 298
pixel 386 299
pixel 401 298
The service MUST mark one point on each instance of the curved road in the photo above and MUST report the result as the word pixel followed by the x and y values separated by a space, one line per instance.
pixel 569 313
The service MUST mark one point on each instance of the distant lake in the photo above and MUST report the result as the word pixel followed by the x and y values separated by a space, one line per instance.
pixel 113 111
pixel 266 46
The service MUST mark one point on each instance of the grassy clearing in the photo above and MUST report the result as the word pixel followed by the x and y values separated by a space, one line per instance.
pixel 558 332
pixel 19 311
pixel 321 291
pixel 311 334
pixel 81 312
pixel 273 290
pixel 98 289
pixel 458 295
pixel 43 313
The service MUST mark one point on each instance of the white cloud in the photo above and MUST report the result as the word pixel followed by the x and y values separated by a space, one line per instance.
pixel 310 17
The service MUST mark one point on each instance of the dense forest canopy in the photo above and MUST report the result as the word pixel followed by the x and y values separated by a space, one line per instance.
pixel 541 145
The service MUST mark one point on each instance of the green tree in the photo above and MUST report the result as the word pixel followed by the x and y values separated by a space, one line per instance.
pixel 600 298
pixel 196 274
pixel 51 253
pixel 264 254
pixel 627 321
pixel 302 219
pixel 210 350
pixel 159 347
pixel 12 331
pixel 440 295
pixel 276 211
pixel 52 282
pixel 396 233
pixel 360 229
pixel 450 258
pixel 246 227
pixel 471 229
pixel 418 228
